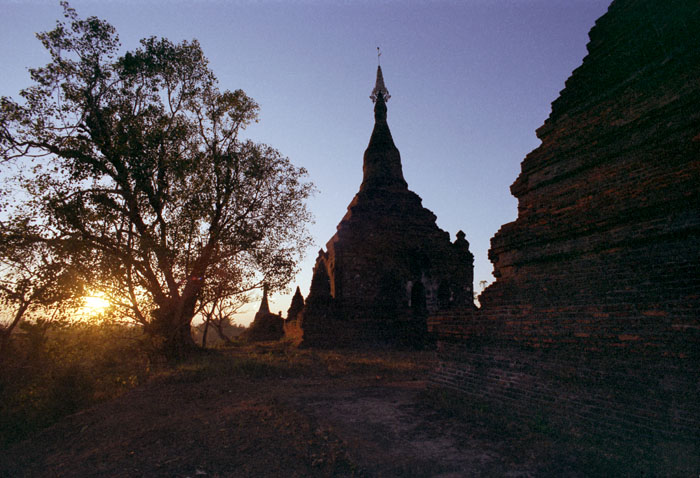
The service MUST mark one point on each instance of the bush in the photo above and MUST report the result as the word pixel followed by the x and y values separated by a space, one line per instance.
pixel 51 371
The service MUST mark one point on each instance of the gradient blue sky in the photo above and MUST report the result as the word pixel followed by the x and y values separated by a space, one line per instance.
pixel 470 82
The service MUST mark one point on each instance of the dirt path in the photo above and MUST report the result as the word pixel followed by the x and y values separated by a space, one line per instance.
pixel 321 422
pixel 389 433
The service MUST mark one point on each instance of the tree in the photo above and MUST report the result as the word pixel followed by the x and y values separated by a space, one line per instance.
pixel 33 278
pixel 217 309
pixel 140 172
pixel 218 315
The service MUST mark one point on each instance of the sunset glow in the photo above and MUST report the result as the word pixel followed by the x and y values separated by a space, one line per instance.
pixel 95 304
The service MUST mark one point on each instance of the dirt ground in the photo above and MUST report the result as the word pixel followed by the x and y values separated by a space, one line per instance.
pixel 325 414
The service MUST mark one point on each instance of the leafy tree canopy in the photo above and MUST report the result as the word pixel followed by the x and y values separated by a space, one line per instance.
pixel 141 177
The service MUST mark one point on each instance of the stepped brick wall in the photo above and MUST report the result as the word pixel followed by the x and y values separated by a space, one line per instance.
pixel 595 312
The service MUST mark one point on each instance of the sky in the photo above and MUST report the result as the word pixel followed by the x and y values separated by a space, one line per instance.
pixel 470 82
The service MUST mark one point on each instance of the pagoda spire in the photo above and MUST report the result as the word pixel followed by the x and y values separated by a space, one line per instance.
pixel 296 306
pixel 382 162
pixel 264 306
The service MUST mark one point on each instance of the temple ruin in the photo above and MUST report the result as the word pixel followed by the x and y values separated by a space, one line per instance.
pixel 389 265
pixel 594 319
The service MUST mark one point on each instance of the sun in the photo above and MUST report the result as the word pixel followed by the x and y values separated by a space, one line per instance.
pixel 95 303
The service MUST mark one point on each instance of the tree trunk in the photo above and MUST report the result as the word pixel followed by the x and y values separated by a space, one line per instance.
pixel 173 317
pixel 171 325
pixel 181 344
pixel 6 333
pixel 220 331
pixel 204 334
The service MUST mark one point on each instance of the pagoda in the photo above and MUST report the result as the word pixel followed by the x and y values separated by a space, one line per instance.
pixel 266 326
pixel 389 265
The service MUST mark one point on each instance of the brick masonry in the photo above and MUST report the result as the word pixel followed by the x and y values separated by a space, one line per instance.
pixel 594 316
pixel 623 396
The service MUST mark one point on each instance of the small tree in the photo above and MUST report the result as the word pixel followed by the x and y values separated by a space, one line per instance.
pixel 33 279
pixel 140 172
pixel 218 315
pixel 218 308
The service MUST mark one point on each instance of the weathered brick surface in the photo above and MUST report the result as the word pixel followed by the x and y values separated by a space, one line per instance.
pixel 622 395
pixel 599 276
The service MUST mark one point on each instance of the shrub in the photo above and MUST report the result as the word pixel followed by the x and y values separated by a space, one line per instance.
pixel 52 371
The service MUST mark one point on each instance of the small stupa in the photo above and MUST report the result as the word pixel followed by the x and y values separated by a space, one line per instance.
pixel 266 326
pixel 296 306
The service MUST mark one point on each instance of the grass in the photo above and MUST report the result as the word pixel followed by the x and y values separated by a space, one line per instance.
pixel 212 365
pixel 53 372
pixel 281 360
pixel 50 373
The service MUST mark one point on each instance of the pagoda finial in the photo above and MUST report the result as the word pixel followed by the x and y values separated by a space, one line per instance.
pixel 379 88
pixel 381 167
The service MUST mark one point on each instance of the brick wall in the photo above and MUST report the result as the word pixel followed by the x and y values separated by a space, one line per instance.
pixel 590 393
pixel 594 317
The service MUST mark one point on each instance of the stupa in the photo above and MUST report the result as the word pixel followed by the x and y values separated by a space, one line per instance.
pixel 266 326
pixel 389 265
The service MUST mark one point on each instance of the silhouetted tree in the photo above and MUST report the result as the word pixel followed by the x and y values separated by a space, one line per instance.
pixel 139 167
pixel 34 278
pixel 217 311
